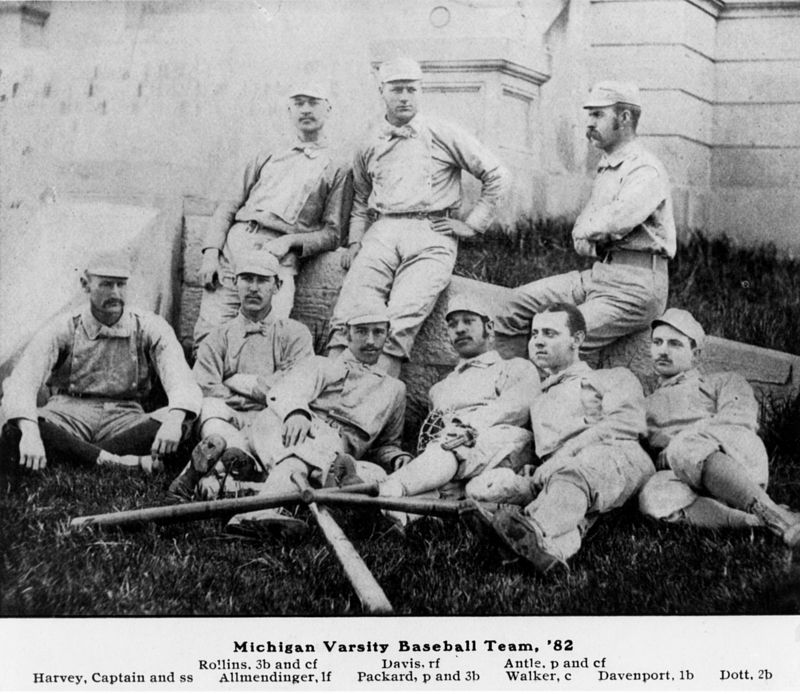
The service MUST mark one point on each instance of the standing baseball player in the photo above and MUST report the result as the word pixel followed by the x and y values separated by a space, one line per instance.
pixel 403 228
pixel 236 367
pixel 99 363
pixel 483 410
pixel 292 202
pixel 325 411
pixel 627 225
pixel 713 467
pixel 586 427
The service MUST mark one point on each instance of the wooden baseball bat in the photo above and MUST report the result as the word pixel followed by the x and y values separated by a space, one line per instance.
pixel 422 506
pixel 368 590
pixel 200 510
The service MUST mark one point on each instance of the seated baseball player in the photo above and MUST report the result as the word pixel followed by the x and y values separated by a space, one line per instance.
pixel 327 409
pixel 99 362
pixel 586 427
pixel 712 466
pixel 236 366
pixel 482 413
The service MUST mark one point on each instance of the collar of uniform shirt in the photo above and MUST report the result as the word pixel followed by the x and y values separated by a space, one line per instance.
pixel 311 149
pixel 353 364
pixel 613 160
pixel 410 129
pixel 252 327
pixel 482 361
pixel 95 329
pixel 576 369
pixel 677 379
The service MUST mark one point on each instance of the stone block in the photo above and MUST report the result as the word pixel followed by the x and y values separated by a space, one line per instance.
pixel 757 215
pixel 759 80
pixel 193 234
pixel 190 308
pixel 756 167
pixel 758 38
pixel 756 124
pixel 316 290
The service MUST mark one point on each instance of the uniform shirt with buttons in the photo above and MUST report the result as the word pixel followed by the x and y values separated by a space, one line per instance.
pixel 579 407
pixel 630 207
pixel 77 355
pixel 300 189
pixel 691 401
pixel 266 349
pixel 487 390
pixel 417 168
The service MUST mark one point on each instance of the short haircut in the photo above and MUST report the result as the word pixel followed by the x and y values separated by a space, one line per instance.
pixel 575 320
pixel 635 112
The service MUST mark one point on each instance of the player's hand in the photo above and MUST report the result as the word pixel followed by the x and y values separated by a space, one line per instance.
pixel 296 429
pixel 401 461
pixel 31 448
pixel 452 227
pixel 350 254
pixel 209 269
pixel 168 435
pixel 279 247
pixel 585 248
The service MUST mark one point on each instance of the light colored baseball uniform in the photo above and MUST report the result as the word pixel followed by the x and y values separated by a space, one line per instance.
pixel 400 176
pixel 300 189
pixel 354 409
pixel 586 427
pixel 689 417
pixel 267 349
pixel 628 225
pixel 99 375
pixel 493 396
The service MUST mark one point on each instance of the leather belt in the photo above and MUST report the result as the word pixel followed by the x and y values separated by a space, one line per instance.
pixel 93 396
pixel 643 259
pixel 430 214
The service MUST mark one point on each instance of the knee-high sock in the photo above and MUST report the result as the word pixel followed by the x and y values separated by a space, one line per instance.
pixel 726 479
pixel 137 440
pixel 705 512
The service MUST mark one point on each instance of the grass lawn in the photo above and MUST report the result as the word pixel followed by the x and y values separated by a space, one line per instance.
pixel 629 566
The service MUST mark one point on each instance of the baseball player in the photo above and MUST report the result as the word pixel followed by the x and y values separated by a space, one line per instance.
pixel 403 228
pixel 236 366
pixel 713 467
pixel 627 225
pixel 484 404
pixel 586 427
pixel 99 363
pixel 325 408
pixel 291 201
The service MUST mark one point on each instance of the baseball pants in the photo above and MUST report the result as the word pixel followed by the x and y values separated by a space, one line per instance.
pixel 404 264
pixel 614 298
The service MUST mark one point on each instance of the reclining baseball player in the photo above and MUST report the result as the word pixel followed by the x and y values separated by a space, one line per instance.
pixel 236 366
pixel 325 411
pixel 586 426
pixel 712 466
pixel 482 409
